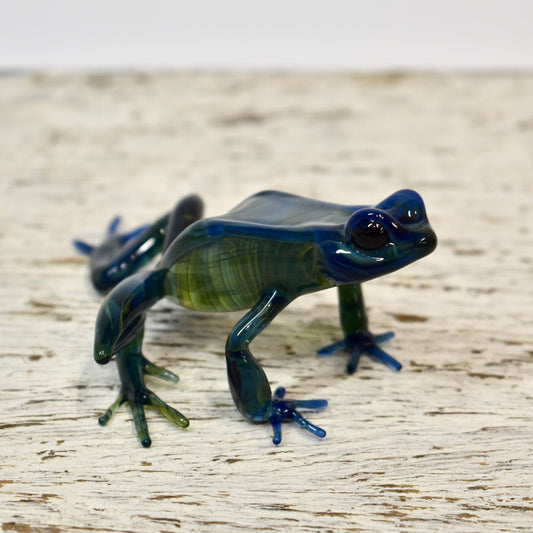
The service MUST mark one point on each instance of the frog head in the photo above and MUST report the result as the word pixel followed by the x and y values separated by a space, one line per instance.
pixel 378 240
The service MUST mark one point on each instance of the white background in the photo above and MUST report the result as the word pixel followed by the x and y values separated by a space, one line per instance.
pixel 284 34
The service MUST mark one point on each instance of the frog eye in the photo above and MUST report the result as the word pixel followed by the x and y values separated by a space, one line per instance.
pixel 369 235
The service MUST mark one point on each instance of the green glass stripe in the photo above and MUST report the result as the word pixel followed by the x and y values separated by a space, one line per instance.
pixel 230 274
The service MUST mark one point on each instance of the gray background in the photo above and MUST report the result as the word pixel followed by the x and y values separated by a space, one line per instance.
pixel 297 34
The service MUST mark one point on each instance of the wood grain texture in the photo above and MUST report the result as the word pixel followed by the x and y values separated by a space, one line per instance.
pixel 444 445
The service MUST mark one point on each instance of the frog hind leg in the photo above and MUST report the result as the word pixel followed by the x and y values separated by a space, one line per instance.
pixel 119 332
pixel 122 254
pixel 248 382
pixel 188 210
pixel 358 339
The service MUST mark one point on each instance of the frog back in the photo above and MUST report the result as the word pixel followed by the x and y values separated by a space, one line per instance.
pixel 268 240
pixel 276 209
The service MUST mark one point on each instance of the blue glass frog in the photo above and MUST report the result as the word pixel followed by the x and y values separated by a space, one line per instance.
pixel 264 253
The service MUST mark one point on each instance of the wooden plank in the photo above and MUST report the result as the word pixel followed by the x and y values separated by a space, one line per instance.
pixel 445 445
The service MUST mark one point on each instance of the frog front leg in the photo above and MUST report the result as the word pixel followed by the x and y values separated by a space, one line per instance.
pixel 247 380
pixel 132 367
pixel 119 332
pixel 358 339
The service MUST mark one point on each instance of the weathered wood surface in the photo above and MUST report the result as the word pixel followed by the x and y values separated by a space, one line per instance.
pixel 445 445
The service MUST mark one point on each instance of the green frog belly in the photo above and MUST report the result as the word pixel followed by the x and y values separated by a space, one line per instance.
pixel 229 274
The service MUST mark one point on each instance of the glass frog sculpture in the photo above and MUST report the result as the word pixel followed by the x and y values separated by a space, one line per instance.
pixel 270 249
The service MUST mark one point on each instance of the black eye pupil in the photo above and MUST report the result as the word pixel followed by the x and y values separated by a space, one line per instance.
pixel 369 235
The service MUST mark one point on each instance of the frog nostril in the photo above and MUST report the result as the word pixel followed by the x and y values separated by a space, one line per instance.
pixel 427 240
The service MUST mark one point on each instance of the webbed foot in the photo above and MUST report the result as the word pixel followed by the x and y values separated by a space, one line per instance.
pixel 113 238
pixel 359 343
pixel 285 410
pixel 132 368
